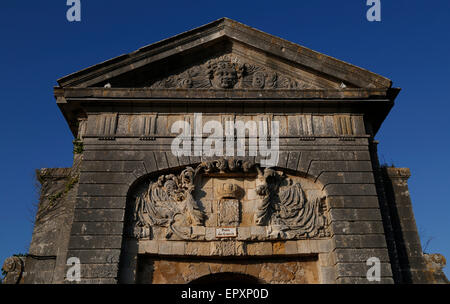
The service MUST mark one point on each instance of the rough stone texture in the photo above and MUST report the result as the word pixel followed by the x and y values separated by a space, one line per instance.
pixel 45 261
pixel 413 265
pixel 228 212
pixel 121 112
pixel 274 271
pixel 14 268
pixel 435 263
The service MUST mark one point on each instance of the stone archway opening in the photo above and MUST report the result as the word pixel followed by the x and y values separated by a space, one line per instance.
pixel 227 278
pixel 184 225
pixel 245 270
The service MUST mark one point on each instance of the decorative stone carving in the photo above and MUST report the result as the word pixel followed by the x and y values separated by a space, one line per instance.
pixel 227 72
pixel 227 190
pixel 168 207
pixel 224 73
pixel 228 212
pixel 167 201
pixel 286 210
pixel 223 165
pixel 13 267
pixel 434 264
pixel 229 205
pixel 225 248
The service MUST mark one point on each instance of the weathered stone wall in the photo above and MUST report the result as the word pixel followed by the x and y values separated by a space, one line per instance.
pixel 414 266
pixel 275 271
pixel 122 111
pixel 435 263
pixel 46 260
pixel 113 163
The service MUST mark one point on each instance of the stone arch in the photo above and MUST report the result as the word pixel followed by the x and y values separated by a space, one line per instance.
pixel 227 278
pixel 163 161
pixel 223 172
pixel 290 163
pixel 171 270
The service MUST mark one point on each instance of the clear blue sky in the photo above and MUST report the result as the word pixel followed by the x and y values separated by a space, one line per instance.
pixel 411 46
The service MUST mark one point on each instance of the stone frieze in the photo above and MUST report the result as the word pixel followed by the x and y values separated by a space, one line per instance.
pixel 228 72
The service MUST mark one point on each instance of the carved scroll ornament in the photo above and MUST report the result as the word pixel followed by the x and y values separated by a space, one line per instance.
pixel 13 268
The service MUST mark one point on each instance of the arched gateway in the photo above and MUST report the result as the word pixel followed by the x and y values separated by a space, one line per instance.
pixel 225 215
pixel 224 153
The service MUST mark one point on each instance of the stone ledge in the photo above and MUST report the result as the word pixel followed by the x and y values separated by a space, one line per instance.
pixel 235 248
pixel 398 172
pixel 360 269
pixel 72 94
pixel 201 233
pixel 49 173
pixel 363 280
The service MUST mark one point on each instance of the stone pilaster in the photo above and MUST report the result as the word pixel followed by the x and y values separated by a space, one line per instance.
pixel 410 257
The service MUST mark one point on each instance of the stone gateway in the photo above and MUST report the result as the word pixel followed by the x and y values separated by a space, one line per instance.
pixel 133 211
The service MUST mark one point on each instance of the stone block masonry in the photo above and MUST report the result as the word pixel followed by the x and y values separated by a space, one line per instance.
pixel 133 211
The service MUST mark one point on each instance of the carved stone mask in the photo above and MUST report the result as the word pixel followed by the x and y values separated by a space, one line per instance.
pixel 225 75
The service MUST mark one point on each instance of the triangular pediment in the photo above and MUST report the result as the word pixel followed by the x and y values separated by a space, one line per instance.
pixel 229 68
pixel 225 54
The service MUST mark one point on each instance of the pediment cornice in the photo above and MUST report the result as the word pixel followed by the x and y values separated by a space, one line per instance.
pixel 123 95
pixel 319 66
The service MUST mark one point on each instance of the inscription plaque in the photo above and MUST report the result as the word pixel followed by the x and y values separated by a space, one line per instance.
pixel 226 232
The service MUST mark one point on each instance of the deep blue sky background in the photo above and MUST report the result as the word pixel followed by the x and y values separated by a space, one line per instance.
pixel 38 45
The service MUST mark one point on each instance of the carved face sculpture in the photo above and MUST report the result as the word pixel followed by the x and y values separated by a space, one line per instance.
pixel 225 75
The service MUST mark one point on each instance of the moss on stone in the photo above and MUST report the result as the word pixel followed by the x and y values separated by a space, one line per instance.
pixel 78 147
